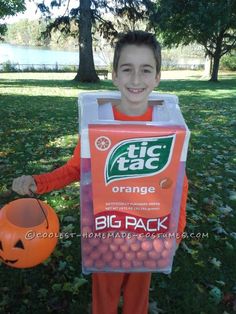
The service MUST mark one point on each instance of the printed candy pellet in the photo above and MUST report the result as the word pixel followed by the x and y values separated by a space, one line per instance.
pixel 114 252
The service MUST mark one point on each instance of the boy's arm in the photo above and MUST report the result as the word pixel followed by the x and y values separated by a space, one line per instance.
pixel 60 177
pixel 182 214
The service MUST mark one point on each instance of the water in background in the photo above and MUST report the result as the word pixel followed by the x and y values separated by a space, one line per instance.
pixel 16 54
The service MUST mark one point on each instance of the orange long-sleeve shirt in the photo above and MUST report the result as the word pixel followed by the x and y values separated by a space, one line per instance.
pixel 70 172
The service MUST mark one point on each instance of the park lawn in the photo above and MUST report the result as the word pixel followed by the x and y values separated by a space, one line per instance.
pixel 38 132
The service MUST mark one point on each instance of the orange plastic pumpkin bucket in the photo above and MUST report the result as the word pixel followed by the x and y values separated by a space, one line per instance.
pixel 28 232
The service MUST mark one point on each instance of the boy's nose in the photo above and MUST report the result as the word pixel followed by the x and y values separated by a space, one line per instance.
pixel 135 78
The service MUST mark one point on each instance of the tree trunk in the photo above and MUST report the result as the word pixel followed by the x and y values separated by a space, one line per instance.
pixel 216 59
pixel 215 69
pixel 86 71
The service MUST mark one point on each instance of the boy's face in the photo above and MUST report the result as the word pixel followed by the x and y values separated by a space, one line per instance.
pixel 136 78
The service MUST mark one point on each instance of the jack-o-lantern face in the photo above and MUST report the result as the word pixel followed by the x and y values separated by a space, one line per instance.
pixel 28 232
pixel 18 245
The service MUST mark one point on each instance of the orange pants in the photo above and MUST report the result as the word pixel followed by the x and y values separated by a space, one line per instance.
pixel 107 288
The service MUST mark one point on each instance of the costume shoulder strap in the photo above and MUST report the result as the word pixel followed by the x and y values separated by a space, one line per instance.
pixel 155 113
pixel 105 112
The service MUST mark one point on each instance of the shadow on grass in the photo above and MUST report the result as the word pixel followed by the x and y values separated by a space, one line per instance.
pixel 192 85
pixel 165 85
pixel 103 84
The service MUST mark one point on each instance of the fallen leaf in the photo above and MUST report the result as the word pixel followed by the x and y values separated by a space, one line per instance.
pixel 225 210
pixel 153 309
pixel 219 230
pixel 215 262
pixel 232 195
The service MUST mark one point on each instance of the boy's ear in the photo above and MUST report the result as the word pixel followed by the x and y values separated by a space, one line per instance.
pixel 158 78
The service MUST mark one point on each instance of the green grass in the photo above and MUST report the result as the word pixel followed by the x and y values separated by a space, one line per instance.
pixel 38 132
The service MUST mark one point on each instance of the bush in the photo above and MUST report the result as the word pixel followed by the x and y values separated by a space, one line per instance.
pixel 228 62
pixel 8 67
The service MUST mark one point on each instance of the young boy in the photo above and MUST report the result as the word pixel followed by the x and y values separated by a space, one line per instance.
pixel 136 72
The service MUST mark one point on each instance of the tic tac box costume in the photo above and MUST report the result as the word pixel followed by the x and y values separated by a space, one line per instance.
pixel 131 184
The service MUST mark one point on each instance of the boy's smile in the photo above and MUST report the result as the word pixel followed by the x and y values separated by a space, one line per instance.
pixel 136 78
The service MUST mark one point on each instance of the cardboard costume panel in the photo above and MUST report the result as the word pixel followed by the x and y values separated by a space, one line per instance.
pixel 131 184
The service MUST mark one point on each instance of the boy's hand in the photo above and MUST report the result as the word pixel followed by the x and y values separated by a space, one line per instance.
pixel 24 185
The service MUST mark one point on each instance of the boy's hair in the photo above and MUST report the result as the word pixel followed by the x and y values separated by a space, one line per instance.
pixel 139 38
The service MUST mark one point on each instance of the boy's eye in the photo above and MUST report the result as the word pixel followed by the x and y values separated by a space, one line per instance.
pixel 126 70
pixel 146 71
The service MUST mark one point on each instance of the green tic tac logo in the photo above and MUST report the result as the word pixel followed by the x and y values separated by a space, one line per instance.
pixel 139 157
